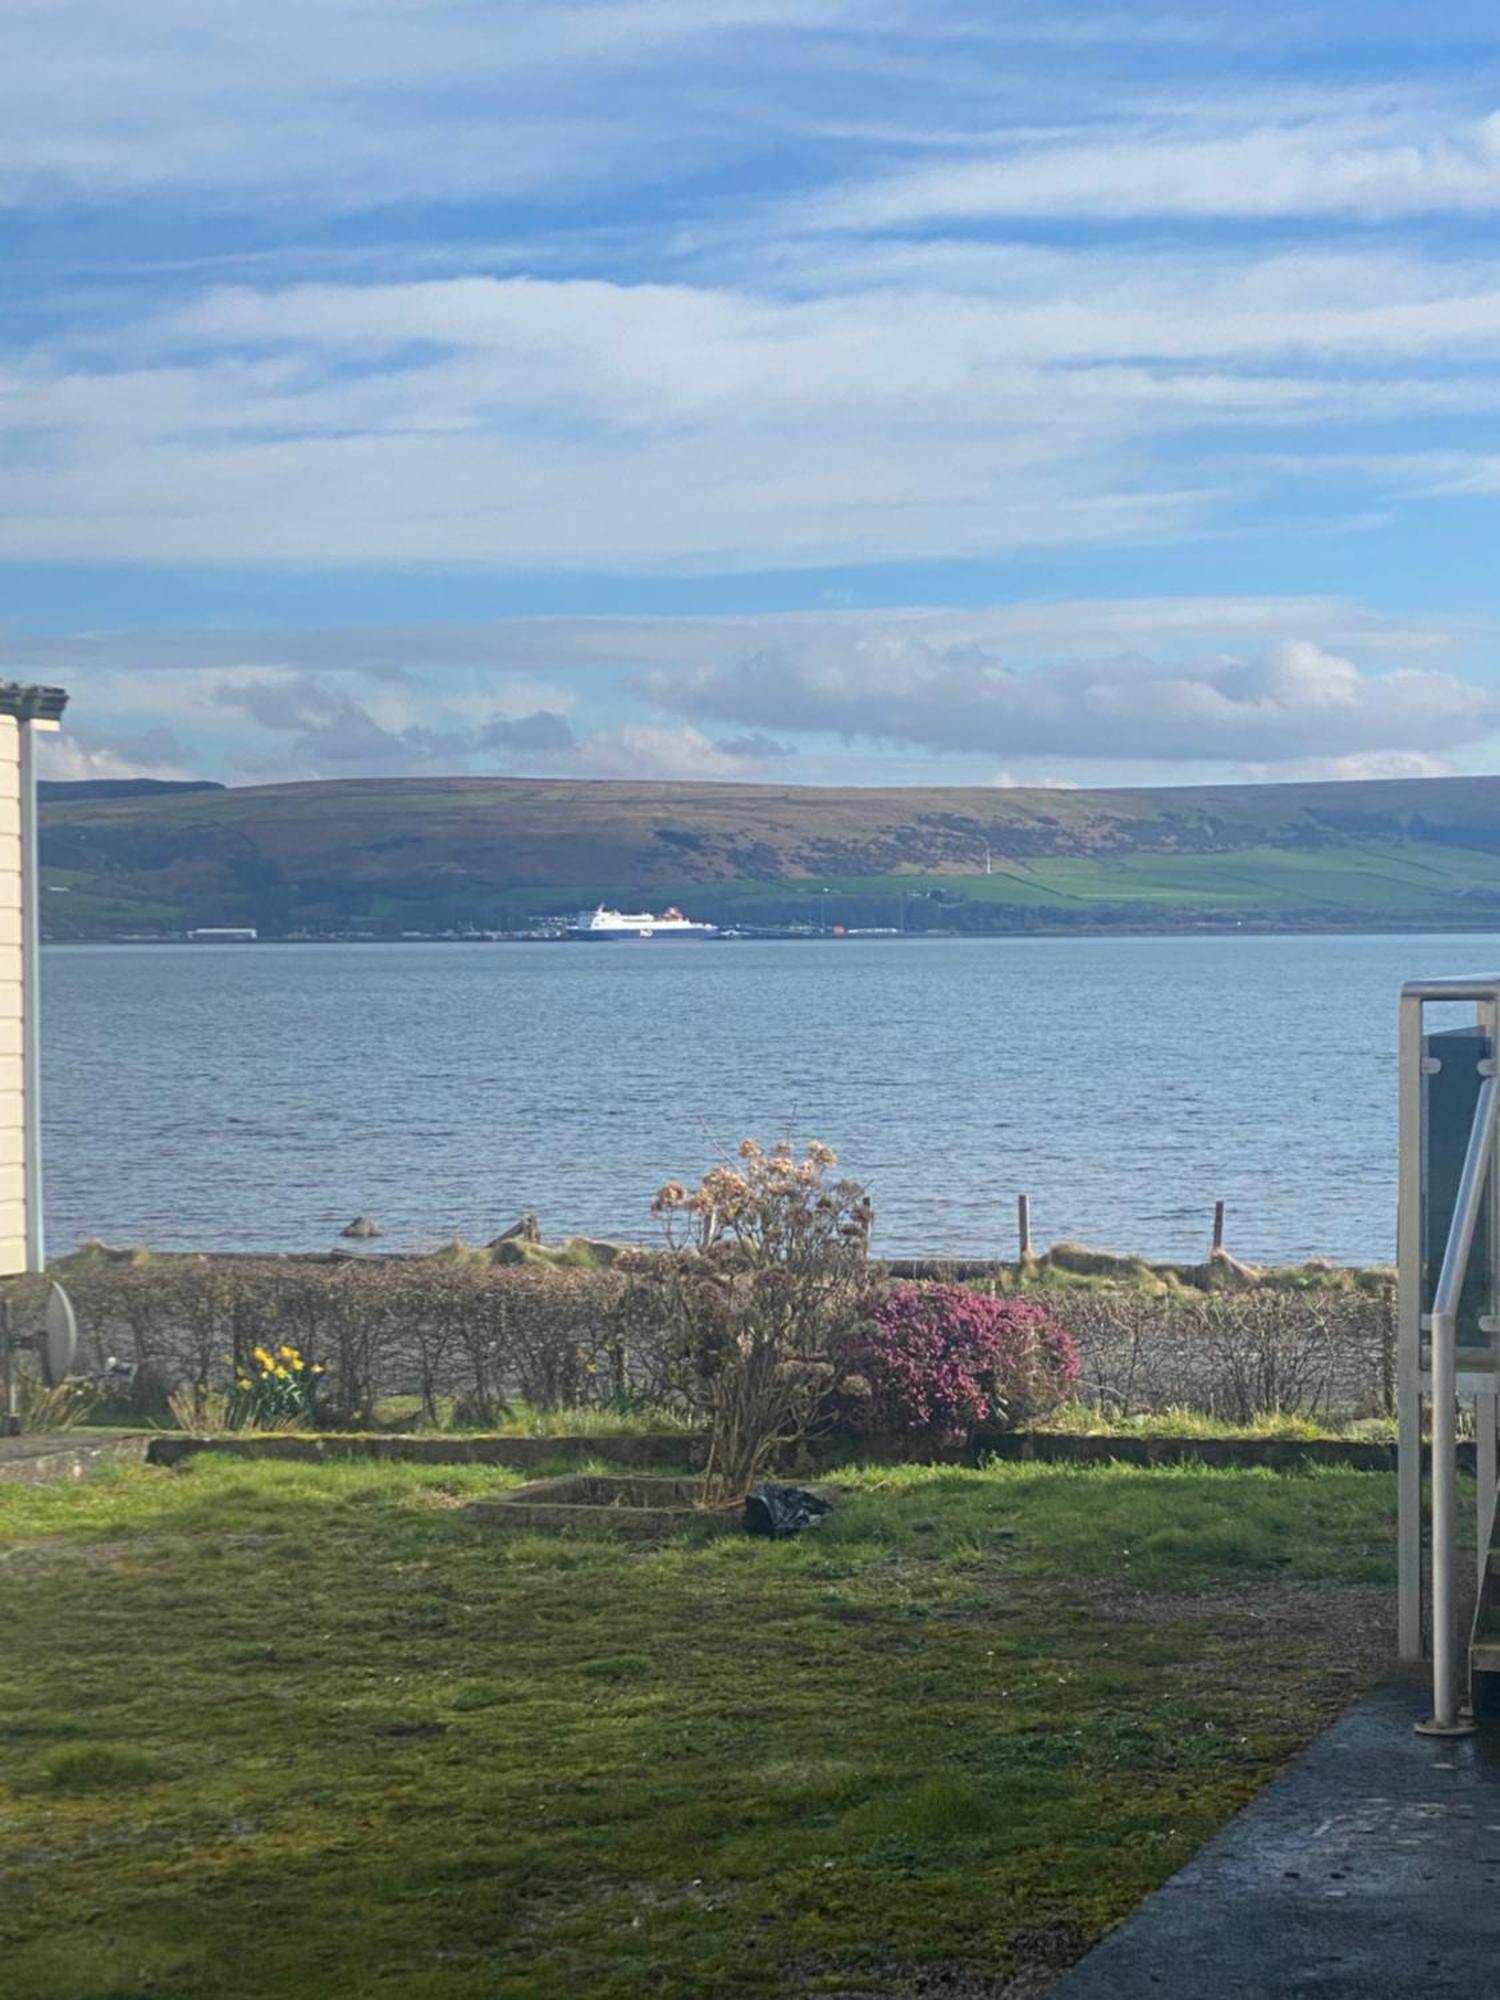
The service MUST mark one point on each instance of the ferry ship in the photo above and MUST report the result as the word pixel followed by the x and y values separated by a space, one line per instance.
pixel 604 924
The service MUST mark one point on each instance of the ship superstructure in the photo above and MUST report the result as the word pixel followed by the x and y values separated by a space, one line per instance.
pixel 604 924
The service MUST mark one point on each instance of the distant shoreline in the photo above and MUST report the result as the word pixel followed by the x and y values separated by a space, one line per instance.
pixel 672 947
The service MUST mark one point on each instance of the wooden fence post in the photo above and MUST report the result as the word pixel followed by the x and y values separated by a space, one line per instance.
pixel 1023 1224
pixel 1218 1225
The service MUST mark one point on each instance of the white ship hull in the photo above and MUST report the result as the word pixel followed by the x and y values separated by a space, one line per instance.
pixel 604 926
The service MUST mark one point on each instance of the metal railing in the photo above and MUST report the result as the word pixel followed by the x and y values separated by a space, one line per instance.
pixel 1477 1185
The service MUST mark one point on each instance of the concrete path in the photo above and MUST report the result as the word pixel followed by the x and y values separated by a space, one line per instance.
pixel 37 1459
pixel 1370 1870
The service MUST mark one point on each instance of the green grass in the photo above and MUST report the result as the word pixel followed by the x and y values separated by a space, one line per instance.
pixel 1082 1420
pixel 404 1413
pixel 1379 878
pixel 273 1730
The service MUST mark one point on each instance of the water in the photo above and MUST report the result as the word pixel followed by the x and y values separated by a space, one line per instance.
pixel 259 1097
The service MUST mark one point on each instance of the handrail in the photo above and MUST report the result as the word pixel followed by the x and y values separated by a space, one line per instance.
pixel 1479 988
pixel 1443 1325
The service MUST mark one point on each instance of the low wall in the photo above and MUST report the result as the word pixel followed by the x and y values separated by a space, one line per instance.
pixel 676 1449
pixel 522 1454
pixel 39 1460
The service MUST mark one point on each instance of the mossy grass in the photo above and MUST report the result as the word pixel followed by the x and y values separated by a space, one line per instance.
pixel 275 1729
pixel 404 1413
pixel 1082 1420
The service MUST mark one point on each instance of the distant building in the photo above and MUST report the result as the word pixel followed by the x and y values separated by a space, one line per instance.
pixel 23 711
pixel 224 934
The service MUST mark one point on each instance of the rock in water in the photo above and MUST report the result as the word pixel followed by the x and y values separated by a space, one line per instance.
pixel 527 1230
pixel 361 1228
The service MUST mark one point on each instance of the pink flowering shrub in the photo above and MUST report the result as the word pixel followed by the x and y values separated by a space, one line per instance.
pixel 944 1362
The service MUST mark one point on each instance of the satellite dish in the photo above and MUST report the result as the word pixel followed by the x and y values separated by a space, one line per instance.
pixel 59 1339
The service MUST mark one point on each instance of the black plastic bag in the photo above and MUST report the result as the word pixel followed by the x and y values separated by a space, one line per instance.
pixel 779 1511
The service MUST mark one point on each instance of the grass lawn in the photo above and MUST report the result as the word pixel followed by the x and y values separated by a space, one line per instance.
pixel 303 1731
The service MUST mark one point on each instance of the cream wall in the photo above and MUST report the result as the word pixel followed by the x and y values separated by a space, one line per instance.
pixel 12 1086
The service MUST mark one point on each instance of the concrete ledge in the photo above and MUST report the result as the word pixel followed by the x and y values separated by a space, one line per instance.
pixel 679 1448
pixel 1074 1448
pixel 522 1454
pixel 40 1460
pixel 1280 1454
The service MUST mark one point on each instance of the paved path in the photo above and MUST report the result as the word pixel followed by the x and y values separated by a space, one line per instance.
pixel 1370 1870
pixel 46 1456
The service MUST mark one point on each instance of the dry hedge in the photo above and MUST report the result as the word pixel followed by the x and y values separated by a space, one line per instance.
pixel 475 1336
pixel 479 1334
pixel 1236 1355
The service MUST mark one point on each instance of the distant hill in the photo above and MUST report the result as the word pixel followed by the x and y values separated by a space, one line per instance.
pixel 120 788
pixel 407 854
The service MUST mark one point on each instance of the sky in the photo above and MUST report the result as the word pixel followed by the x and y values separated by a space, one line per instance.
pixel 805 391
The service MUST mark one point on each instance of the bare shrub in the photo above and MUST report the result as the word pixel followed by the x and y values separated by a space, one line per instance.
pixel 200 1411
pixel 57 1406
pixel 556 1333
pixel 767 1267
pixel 447 1328
pixel 1236 1355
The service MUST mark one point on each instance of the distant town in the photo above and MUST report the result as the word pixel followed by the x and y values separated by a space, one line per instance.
pixel 546 930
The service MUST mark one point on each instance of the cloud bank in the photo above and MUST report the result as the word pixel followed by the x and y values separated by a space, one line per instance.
pixel 1143 689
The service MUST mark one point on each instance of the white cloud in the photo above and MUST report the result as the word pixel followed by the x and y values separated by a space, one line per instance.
pixel 653 750
pixel 1368 764
pixel 179 672
pixel 1329 167
pixel 79 752
pixel 1048 781
pixel 1292 700
pixel 343 103
pixel 552 424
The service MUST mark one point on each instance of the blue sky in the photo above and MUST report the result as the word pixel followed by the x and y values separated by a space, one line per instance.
pixel 740 389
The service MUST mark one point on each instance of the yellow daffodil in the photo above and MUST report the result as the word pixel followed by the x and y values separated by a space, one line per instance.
pixel 244 1382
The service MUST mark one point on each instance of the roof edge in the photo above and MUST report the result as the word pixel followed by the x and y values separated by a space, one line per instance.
pixel 32 704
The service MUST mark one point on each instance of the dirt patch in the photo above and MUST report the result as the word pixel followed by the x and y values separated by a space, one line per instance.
pixel 1041 1954
pixel 1264 1604
pixel 1326 1641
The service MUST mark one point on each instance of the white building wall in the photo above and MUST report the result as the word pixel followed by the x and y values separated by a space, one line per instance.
pixel 12 1077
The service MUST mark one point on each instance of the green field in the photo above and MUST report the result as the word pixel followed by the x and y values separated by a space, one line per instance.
pixel 1404 881
pixel 273 1731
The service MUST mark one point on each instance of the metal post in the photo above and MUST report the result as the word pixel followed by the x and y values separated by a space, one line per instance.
pixel 1023 1224
pixel 31 998
pixel 1486 1413
pixel 1218 1243
pixel 1409 1335
pixel 1445 1719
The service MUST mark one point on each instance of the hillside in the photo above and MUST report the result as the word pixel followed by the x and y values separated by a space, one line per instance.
pixel 388 855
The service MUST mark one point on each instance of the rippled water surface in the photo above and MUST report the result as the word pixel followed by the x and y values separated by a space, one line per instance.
pixel 260 1096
